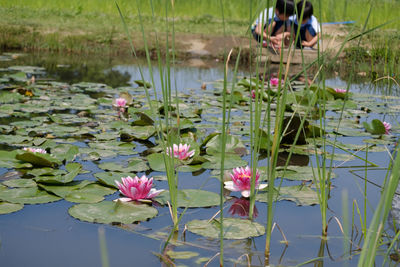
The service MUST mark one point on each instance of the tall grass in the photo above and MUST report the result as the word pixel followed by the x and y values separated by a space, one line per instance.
pixel 166 88
pixel 331 10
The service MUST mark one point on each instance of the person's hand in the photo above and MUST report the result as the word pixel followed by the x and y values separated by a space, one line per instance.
pixel 305 43
pixel 274 40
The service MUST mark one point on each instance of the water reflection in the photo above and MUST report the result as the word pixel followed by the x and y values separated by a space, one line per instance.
pixel 241 207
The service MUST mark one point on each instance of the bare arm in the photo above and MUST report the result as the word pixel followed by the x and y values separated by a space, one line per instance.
pixel 312 42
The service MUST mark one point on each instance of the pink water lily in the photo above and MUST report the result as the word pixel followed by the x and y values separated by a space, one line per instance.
pixel 253 94
pixel 137 188
pixel 35 150
pixel 180 152
pixel 120 102
pixel 388 127
pixel 241 181
pixel 340 91
pixel 274 81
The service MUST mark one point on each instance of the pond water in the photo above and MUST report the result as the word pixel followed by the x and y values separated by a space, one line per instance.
pixel 46 234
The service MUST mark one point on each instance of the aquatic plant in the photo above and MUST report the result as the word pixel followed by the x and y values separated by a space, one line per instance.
pixel 241 181
pixel 388 127
pixel 340 91
pixel 120 102
pixel 274 81
pixel 35 150
pixel 180 151
pixel 137 188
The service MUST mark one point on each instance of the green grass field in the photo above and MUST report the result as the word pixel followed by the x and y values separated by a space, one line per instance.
pixel 238 10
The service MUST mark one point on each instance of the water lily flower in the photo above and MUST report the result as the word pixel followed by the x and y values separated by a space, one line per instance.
pixel 137 188
pixel 120 102
pixel 241 207
pixel 180 152
pixel 35 150
pixel 241 181
pixel 253 94
pixel 388 126
pixel 274 81
pixel 340 91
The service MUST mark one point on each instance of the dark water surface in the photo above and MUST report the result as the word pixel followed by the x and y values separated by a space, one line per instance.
pixel 46 235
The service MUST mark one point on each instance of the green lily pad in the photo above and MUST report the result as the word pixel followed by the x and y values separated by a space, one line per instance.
pixel 121 148
pixel 233 228
pixel 14 139
pixel 233 145
pixel 298 173
pixel 138 132
pixel 73 168
pixel 66 189
pixel 181 255
pixel 231 161
pixel 191 198
pixel 300 194
pixel 156 162
pixel 38 159
pixel 83 197
pixel 65 152
pixel 30 195
pixel 143 83
pixel 109 178
pixel 80 192
pixel 375 127
pixel 112 212
pixel 134 165
pixel 17 183
pixel 6 207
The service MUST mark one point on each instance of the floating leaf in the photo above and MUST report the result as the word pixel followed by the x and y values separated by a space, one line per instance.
pixel 231 161
pixel 109 178
pixel 182 255
pixel 30 195
pixel 233 145
pixel 233 228
pixel 143 83
pixel 38 159
pixel 134 165
pixel 6 207
pixel 300 194
pixel 112 212
pixel 375 127
pixel 138 132
pixel 73 168
pixel 191 198
pixel 20 183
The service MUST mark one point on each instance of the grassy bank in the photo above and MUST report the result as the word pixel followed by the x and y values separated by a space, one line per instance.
pixel 94 26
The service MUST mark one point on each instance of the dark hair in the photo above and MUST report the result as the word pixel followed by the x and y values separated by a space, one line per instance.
pixel 285 7
pixel 308 9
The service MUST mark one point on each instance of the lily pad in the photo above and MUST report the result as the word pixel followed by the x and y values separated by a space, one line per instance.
pixel 233 145
pixel 300 194
pixel 233 228
pixel 134 165
pixel 38 159
pixel 30 195
pixel 6 207
pixel 182 255
pixel 109 178
pixel 17 183
pixel 138 132
pixel 191 198
pixel 375 127
pixel 112 212
pixel 156 162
